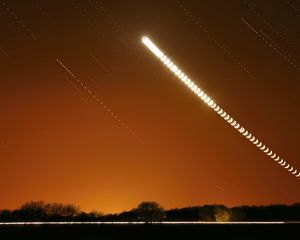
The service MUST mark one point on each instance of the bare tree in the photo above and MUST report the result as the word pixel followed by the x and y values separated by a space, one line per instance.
pixel 150 212
pixel 40 210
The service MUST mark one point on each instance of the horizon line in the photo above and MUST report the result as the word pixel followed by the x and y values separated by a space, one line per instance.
pixel 156 223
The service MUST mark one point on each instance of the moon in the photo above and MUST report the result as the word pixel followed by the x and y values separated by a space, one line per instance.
pixel 281 161
pixel 200 94
pixel 207 99
pixel 267 150
pixel 270 153
pixel 170 64
pixel 191 85
pixel 283 164
pixel 211 102
pixel 252 139
pixel 291 169
pixel 178 72
pixel 220 111
pixel 263 147
pixel 204 97
pixel 287 166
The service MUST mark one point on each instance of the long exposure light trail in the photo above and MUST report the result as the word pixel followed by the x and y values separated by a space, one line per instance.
pixel 212 104
pixel 142 223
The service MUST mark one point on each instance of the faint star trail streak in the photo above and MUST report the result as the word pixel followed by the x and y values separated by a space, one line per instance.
pixel 19 21
pixel 212 38
pixel 95 97
pixel 269 25
pixel 279 51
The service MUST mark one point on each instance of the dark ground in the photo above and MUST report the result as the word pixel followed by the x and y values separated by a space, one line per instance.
pixel 287 231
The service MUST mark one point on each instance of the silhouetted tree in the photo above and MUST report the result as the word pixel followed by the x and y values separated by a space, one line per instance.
pixel 91 216
pixel 41 211
pixel 150 212
pixel 237 214
pixel 5 215
pixel 207 213
pixel 62 210
pixel 221 213
pixel 33 211
pixel 128 216
pixel 183 214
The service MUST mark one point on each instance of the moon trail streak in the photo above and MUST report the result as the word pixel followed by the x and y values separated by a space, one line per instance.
pixel 95 97
pixel 206 99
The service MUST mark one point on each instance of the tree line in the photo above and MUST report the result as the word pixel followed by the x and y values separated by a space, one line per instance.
pixel 152 212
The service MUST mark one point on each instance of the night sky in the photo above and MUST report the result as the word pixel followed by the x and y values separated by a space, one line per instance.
pixel 126 130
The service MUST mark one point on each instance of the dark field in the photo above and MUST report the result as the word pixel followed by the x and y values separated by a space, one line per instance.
pixel 286 231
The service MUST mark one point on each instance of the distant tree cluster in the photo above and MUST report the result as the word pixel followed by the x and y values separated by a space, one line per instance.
pixel 148 212
pixel 151 212
pixel 207 213
pixel 221 213
pixel 41 211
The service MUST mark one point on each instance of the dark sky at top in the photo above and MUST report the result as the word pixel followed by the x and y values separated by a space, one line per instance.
pixel 144 136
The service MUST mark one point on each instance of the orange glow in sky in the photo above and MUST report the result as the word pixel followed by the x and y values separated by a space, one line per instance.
pixel 122 130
